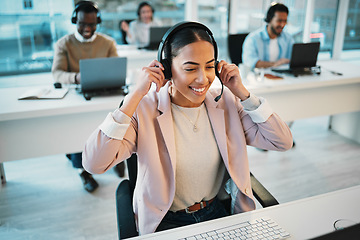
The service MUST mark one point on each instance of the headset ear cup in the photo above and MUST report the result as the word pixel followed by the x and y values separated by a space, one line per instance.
pixel 167 68
pixel 83 3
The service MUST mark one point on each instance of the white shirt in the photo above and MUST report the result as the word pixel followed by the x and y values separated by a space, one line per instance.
pixel 140 32
pixel 274 50
pixel 199 168
pixel 80 38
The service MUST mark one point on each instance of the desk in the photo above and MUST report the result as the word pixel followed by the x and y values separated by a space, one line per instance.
pixel 35 128
pixel 311 96
pixel 303 219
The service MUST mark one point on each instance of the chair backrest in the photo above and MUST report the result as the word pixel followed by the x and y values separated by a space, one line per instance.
pixel 123 33
pixel 131 163
pixel 235 44
pixel 124 206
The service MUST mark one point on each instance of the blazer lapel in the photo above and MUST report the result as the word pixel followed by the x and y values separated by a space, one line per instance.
pixel 166 124
pixel 217 120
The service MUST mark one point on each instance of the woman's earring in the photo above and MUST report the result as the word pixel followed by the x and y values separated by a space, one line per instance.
pixel 170 89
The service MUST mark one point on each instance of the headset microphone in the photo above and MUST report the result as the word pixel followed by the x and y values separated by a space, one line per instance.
pixel 222 85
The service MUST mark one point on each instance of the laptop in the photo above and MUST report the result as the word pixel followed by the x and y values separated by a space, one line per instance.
pixel 155 36
pixel 303 59
pixel 102 76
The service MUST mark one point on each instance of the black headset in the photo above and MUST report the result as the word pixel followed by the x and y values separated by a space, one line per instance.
pixel 82 4
pixel 278 7
pixel 177 27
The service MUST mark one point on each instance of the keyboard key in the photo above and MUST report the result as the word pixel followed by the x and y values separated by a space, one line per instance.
pixel 191 238
pixel 285 234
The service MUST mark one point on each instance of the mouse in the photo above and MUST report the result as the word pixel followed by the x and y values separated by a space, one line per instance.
pixel 57 85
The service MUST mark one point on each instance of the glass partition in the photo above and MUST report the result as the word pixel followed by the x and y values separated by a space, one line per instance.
pixel 214 14
pixel 28 32
pixel 323 25
pixel 352 31
pixel 29 29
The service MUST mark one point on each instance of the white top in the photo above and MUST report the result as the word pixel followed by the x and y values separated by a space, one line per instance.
pixel 199 169
pixel 140 32
pixel 273 50
pixel 80 38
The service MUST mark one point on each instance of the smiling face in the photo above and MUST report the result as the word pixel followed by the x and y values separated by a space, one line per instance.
pixel 86 24
pixel 277 23
pixel 193 71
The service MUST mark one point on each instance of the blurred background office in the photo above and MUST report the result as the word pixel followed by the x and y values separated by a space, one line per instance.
pixel 29 28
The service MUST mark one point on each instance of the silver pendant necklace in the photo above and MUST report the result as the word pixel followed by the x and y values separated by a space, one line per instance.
pixel 195 127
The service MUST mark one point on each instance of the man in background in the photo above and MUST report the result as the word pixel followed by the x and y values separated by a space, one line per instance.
pixel 82 44
pixel 269 46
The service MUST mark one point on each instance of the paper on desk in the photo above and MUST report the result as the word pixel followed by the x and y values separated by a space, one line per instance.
pixel 44 93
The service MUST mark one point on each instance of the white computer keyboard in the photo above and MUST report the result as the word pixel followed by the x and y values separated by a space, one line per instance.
pixel 262 228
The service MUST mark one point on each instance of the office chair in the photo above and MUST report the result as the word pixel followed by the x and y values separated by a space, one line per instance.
pixel 235 44
pixel 124 195
pixel 123 33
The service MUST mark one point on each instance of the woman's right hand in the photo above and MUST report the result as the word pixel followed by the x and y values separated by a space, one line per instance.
pixel 125 26
pixel 153 73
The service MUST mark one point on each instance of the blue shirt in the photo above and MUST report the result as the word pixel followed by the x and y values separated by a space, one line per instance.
pixel 256 47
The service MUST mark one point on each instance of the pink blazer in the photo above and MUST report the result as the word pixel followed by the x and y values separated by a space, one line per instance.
pixel 151 135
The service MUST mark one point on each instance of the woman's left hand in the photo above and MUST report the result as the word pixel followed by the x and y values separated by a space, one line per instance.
pixel 230 77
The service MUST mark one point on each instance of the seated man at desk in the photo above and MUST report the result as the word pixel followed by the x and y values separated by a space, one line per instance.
pixel 138 32
pixel 84 43
pixel 269 46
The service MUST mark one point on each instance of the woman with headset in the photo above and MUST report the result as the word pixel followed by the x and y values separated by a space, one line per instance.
pixel 138 31
pixel 190 139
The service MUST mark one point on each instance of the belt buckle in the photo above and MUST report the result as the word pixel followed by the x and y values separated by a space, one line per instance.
pixel 188 211
pixel 201 207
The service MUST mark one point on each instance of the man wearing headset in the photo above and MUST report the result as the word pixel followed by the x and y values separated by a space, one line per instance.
pixel 269 46
pixel 84 43
pixel 139 30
